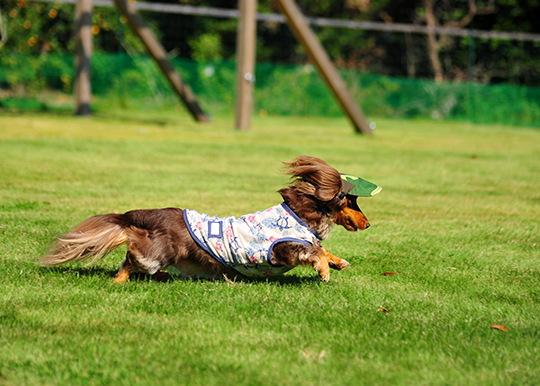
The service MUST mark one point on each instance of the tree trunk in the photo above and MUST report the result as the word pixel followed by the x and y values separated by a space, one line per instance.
pixel 434 45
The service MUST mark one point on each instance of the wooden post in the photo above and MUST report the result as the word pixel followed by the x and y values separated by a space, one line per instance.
pixel 83 52
pixel 318 55
pixel 159 54
pixel 245 62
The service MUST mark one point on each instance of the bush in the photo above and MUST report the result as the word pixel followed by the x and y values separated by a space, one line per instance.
pixel 279 89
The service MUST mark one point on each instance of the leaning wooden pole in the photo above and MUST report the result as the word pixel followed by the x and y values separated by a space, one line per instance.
pixel 83 53
pixel 245 62
pixel 317 54
pixel 159 54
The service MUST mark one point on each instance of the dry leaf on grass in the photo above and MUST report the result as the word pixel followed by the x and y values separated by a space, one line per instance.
pixel 389 273
pixel 499 327
pixel 382 309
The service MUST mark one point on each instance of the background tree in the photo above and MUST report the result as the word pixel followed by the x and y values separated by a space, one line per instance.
pixel 36 28
pixel 451 14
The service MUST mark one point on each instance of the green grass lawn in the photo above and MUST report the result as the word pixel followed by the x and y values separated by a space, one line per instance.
pixel 458 218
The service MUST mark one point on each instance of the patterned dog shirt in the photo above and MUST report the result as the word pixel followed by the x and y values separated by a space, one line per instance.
pixel 245 244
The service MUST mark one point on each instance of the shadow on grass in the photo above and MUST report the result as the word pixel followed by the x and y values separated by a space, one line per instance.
pixel 86 271
pixel 81 271
pixel 127 116
pixel 34 112
pixel 118 114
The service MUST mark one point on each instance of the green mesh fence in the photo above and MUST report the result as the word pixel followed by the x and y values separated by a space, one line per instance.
pixel 120 80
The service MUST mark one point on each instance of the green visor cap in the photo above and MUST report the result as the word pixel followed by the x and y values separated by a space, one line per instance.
pixel 358 187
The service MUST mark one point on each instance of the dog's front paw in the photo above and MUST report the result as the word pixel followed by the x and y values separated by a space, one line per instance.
pixel 324 271
pixel 339 265
pixel 325 277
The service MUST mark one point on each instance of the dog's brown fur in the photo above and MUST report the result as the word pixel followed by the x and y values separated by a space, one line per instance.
pixel 158 238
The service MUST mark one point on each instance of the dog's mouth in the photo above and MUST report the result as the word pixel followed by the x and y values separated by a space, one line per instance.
pixel 352 218
pixel 350 225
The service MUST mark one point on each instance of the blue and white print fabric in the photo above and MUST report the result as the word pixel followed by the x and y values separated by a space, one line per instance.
pixel 245 244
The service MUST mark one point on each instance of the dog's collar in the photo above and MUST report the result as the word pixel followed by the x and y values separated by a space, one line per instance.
pixel 322 207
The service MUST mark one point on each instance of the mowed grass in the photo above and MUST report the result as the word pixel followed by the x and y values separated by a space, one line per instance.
pixel 458 219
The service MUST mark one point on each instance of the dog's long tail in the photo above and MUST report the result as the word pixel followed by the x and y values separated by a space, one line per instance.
pixel 95 237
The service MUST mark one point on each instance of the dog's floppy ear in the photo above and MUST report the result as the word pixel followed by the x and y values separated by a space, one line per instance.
pixel 314 177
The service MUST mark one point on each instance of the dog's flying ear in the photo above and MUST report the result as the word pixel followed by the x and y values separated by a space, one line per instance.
pixel 314 177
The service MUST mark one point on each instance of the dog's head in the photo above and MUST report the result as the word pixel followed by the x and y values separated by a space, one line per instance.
pixel 316 192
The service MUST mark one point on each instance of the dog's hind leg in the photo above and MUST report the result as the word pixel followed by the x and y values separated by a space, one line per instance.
pixel 126 269
pixel 137 262
pixel 161 276
pixel 122 275
pixel 130 265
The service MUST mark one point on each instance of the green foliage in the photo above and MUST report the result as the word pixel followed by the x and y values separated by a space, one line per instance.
pixel 280 90
pixel 35 28
pixel 292 90
pixel 38 28
pixel 206 47
pixel 18 70
pixel 457 218
pixel 29 75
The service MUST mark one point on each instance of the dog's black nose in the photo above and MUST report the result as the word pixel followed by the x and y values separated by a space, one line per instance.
pixel 367 225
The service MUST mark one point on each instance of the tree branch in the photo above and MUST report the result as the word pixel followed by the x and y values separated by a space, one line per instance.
pixel 473 11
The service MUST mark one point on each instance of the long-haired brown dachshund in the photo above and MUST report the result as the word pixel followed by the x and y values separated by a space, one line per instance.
pixel 268 242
